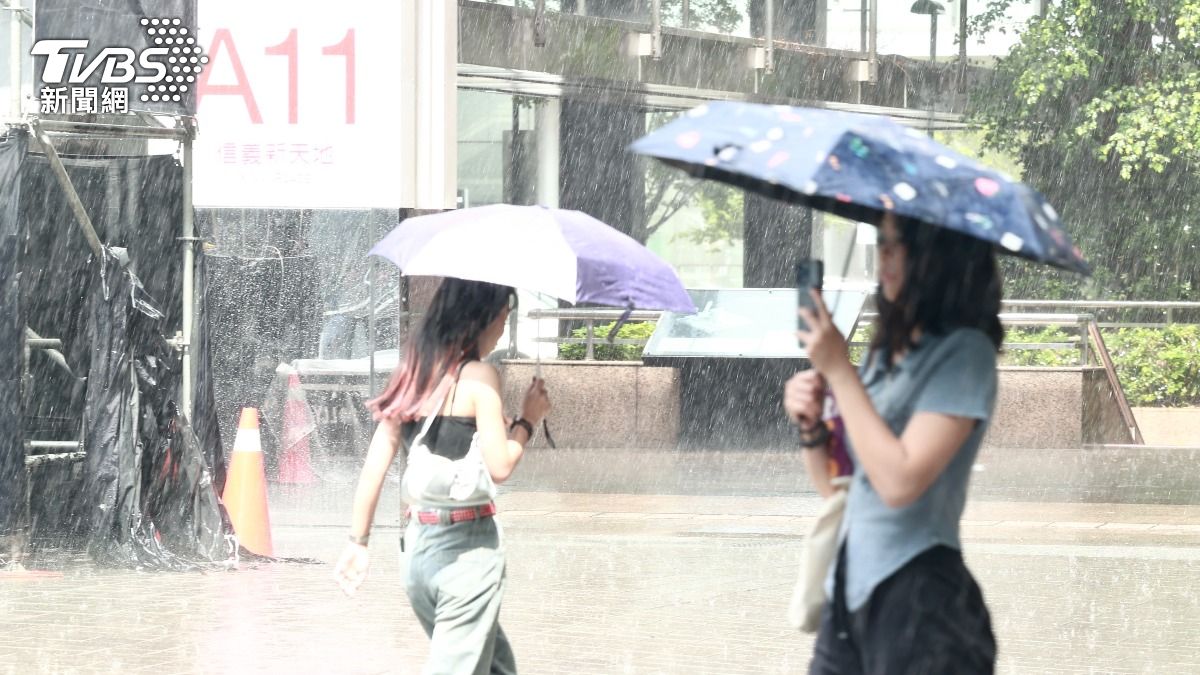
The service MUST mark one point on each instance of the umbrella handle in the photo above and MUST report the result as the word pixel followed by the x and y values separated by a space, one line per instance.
pixel 612 334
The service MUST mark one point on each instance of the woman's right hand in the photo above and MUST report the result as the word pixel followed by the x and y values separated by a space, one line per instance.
pixel 537 402
pixel 351 569
pixel 804 398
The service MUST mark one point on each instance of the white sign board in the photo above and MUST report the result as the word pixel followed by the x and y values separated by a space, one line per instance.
pixel 308 104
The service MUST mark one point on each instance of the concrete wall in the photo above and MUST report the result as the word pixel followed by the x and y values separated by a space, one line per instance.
pixel 1094 475
pixel 1055 408
pixel 1038 408
pixel 630 405
pixel 601 404
pixel 1169 426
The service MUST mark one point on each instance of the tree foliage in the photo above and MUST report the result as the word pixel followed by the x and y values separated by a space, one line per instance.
pixel 669 190
pixel 1156 366
pixel 724 210
pixel 602 350
pixel 1100 102
pixel 721 16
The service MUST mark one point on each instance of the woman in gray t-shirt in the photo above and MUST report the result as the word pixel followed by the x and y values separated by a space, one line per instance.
pixel 915 412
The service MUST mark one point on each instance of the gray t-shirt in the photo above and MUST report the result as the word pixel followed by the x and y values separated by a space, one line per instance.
pixel 952 374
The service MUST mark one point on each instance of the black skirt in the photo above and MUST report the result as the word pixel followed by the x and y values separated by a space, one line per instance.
pixel 927 618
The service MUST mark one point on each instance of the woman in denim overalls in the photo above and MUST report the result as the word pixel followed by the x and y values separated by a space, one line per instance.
pixel 443 400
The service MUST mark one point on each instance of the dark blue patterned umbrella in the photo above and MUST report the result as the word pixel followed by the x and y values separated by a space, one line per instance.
pixel 858 167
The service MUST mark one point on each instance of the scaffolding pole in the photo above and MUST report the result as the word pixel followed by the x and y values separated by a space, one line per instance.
pixel 188 240
pixel 50 346
pixel 106 130
pixel 64 181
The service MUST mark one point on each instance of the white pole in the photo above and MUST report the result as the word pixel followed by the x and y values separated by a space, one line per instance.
pixel 873 56
pixel 434 49
pixel 655 29
pixel 769 38
pixel 189 271
pixel 371 299
pixel 14 59
pixel 548 115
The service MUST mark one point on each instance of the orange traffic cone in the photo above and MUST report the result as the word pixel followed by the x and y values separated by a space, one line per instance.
pixel 246 488
pixel 295 464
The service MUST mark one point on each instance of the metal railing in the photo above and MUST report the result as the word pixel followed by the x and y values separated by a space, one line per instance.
pixel 1080 321
pixel 1167 308
pixel 1127 416
pixel 590 316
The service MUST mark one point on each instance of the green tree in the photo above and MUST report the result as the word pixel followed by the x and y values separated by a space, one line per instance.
pixel 602 350
pixel 721 16
pixel 669 190
pixel 724 210
pixel 1100 103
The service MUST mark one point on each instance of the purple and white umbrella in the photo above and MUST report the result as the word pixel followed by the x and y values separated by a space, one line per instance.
pixel 566 254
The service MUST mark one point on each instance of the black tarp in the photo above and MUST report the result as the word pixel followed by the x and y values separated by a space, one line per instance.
pixel 12 326
pixel 148 496
pixel 206 417
pixel 148 493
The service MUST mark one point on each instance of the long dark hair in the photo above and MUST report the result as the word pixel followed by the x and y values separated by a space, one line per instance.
pixel 447 338
pixel 951 281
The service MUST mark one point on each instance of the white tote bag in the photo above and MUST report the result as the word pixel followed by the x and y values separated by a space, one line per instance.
pixel 819 552
pixel 435 481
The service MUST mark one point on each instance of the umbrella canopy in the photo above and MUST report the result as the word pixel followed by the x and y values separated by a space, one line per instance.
pixel 567 254
pixel 859 167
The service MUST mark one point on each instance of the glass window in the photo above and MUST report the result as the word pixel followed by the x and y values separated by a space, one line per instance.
pixel 695 225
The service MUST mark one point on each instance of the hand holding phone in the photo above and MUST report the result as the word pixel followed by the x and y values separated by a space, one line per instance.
pixel 810 274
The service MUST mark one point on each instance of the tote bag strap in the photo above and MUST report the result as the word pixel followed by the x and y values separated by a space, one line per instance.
pixel 428 422
pixel 437 410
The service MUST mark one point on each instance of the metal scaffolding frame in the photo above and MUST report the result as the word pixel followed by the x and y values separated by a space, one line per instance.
pixel 183 130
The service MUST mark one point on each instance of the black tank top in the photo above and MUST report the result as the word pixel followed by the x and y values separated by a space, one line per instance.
pixel 449 436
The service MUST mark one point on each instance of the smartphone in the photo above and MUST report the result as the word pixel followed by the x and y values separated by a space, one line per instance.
pixel 810 273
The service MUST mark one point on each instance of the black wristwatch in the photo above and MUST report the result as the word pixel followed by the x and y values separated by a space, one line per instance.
pixel 524 424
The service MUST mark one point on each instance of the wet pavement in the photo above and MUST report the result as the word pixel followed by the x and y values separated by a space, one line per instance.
pixel 618 582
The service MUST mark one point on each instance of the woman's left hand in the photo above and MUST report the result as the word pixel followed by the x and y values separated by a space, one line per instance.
pixel 826 347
